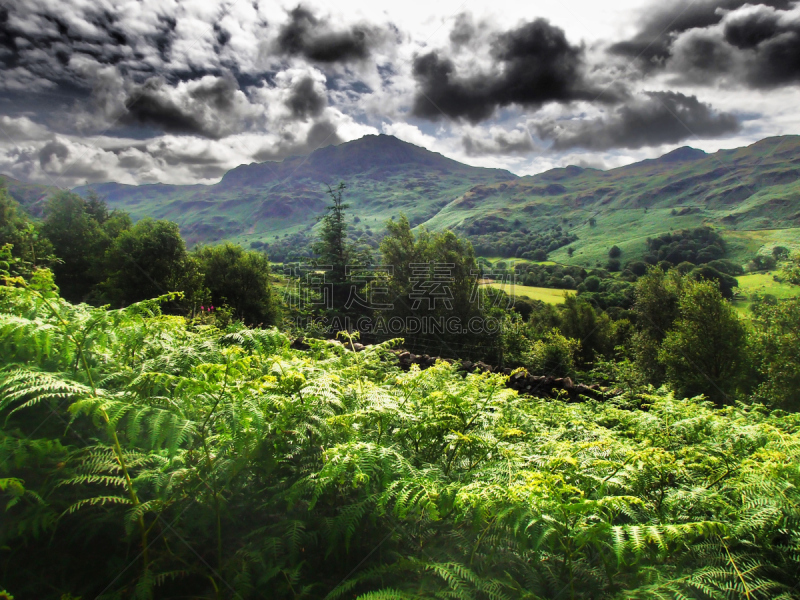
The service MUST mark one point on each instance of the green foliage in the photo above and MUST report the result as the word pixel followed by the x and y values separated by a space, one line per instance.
pixel 697 246
pixel 149 260
pixel 724 282
pixel 29 249
pixel 492 236
pixel 332 249
pixel 705 351
pixel 81 231
pixel 401 249
pixel 180 461
pixel 776 345
pixel 239 279
pixel 792 270
pixel 761 262
pixel 594 331
pixel 656 309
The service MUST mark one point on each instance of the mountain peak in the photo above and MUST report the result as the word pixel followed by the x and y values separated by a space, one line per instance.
pixel 682 154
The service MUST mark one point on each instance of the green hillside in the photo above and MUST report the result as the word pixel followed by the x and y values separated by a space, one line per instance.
pixel 744 191
pixel 30 195
pixel 752 192
pixel 255 202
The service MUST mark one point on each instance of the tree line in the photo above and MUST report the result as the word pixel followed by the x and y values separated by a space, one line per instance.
pixel 100 256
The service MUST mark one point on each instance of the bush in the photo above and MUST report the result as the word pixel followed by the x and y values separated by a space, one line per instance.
pixel 241 280
pixel 761 262
pixel 592 283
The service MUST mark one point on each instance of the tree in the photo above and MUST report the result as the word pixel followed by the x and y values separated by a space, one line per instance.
pixel 614 252
pixel 725 282
pixel 147 261
pixel 655 308
pixel 594 331
pixel 80 230
pixel 792 270
pixel 761 262
pixel 405 253
pixel 29 248
pixel 592 283
pixel 776 343
pixel 240 279
pixel 780 253
pixel 332 249
pixel 434 275
pixel 705 351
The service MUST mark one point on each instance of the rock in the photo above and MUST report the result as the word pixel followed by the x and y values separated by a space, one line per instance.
pixel 358 347
pixel 299 344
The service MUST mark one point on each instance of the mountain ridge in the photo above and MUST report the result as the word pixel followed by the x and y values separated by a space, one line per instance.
pixel 753 188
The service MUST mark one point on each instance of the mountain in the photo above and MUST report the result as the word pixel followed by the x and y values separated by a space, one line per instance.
pixel 384 176
pixel 752 192
pixel 30 195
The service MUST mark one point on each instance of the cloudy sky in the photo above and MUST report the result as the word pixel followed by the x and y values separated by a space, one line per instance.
pixel 180 91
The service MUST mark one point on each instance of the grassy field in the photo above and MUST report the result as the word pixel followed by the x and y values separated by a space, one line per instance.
pixel 761 284
pixel 548 295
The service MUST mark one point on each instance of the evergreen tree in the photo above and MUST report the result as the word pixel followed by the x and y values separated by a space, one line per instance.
pixel 333 249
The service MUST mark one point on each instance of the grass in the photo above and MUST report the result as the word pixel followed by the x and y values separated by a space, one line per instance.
pixel 547 295
pixel 761 284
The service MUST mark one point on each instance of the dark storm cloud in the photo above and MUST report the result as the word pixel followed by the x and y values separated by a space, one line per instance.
pixel 758 47
pixel 52 149
pixel 534 64
pixel 323 133
pixel 211 107
pixel 503 144
pixel 652 45
pixel 314 38
pixel 654 119
pixel 306 100
pixel 150 104
pixel 774 45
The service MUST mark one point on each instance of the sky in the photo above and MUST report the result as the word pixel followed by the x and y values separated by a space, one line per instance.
pixel 180 91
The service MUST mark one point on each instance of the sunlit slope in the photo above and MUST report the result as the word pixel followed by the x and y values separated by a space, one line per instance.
pixel 747 189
